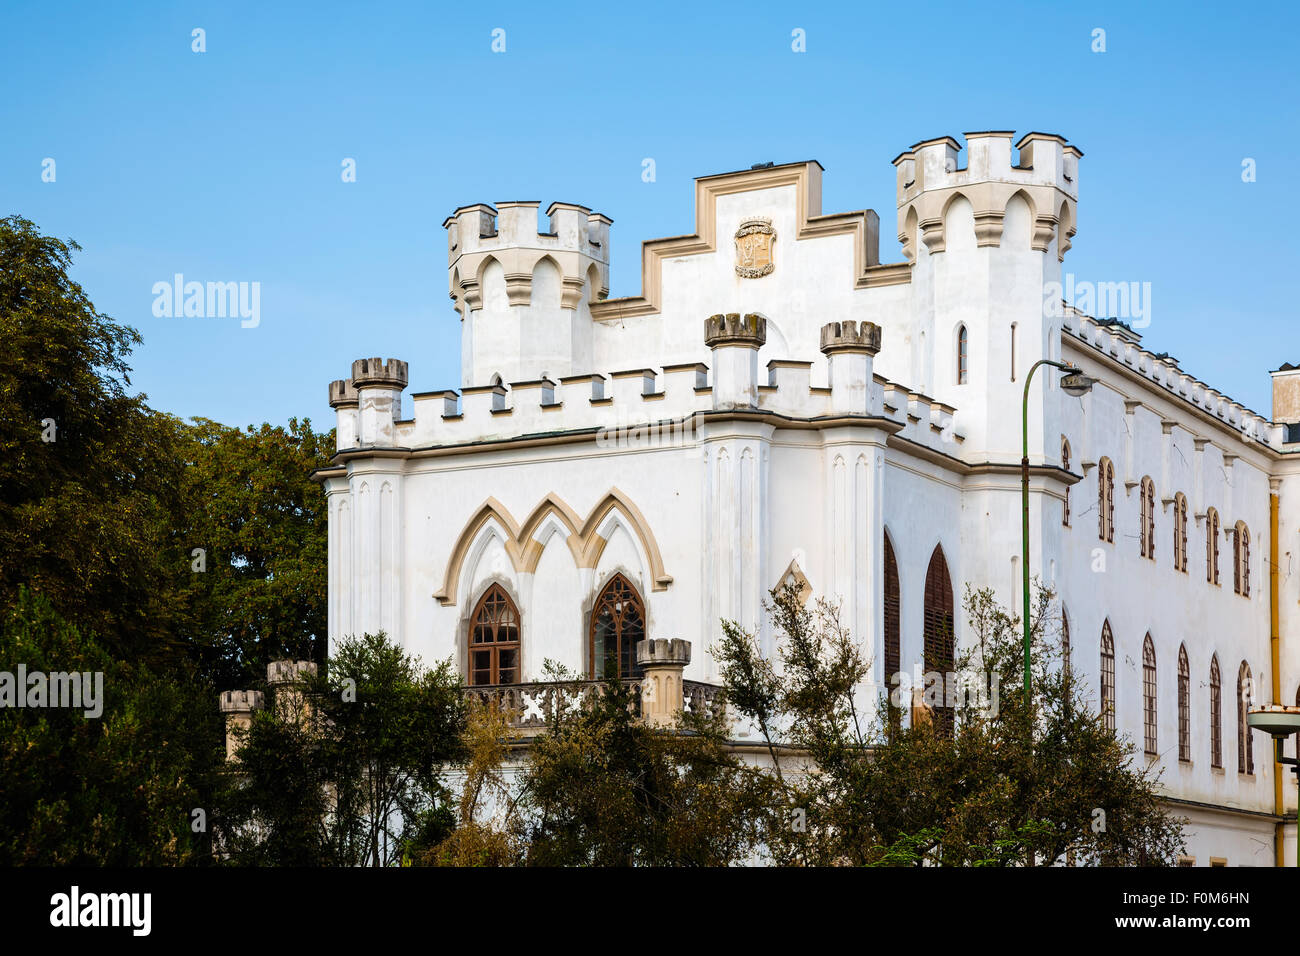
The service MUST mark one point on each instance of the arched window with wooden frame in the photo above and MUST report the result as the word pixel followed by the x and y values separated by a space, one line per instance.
pixel 1216 714
pixel 1150 726
pixel 1245 745
pixel 617 624
pixel 1107 676
pixel 1147 531
pixel 1106 500
pixel 494 639
pixel 1212 546
pixel 963 355
pixel 938 622
pixel 1180 532
pixel 892 606
pixel 1184 706
pixel 1065 643
pixel 1241 559
pixel 1065 466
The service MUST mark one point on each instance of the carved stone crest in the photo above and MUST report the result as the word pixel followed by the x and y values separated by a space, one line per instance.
pixel 754 241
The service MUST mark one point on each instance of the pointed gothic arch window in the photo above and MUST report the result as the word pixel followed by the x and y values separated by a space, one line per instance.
pixel 963 355
pixel 1147 531
pixel 1106 500
pixel 1149 723
pixel 1216 714
pixel 1212 546
pixel 892 606
pixel 939 638
pixel 1065 465
pixel 1065 643
pixel 1245 745
pixel 1184 706
pixel 1180 532
pixel 1241 559
pixel 494 639
pixel 1107 676
pixel 617 623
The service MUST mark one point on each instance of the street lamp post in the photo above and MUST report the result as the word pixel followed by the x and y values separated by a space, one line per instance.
pixel 1280 722
pixel 1075 383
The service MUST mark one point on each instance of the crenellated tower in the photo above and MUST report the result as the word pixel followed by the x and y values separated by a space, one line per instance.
pixel 524 295
pixel 986 240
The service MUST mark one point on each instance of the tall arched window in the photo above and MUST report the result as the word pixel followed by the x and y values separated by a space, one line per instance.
pixel 1149 725
pixel 617 623
pixel 1241 559
pixel 1245 695
pixel 938 622
pixel 1107 676
pixel 1212 546
pixel 1216 714
pixel 494 639
pixel 1065 643
pixel 893 626
pixel 1147 532
pixel 1065 464
pixel 1180 532
pixel 1184 706
pixel 1106 500
pixel 963 355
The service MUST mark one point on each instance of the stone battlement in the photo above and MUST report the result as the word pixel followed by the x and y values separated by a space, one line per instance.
pixel 289 672
pixel 478 236
pixel 1121 344
pixel 343 392
pixel 242 701
pixel 851 337
pixel 376 373
pixel 648 405
pixel 929 179
pixel 735 329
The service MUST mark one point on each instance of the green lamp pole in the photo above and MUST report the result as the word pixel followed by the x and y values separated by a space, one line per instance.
pixel 1075 383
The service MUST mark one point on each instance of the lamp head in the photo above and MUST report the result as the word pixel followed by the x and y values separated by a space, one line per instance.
pixel 1276 720
pixel 1076 384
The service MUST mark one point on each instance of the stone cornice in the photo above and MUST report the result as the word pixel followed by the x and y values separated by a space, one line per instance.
pixel 1222 428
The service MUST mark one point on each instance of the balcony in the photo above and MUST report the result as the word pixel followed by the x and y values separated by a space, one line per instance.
pixel 530 708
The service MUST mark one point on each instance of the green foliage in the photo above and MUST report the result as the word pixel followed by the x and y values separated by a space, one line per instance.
pixel 1004 787
pixel 100 523
pixel 251 504
pixel 84 518
pixel 603 789
pixel 348 771
pixel 484 792
pixel 117 790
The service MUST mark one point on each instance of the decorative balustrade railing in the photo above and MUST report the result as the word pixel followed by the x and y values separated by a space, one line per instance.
pixel 531 707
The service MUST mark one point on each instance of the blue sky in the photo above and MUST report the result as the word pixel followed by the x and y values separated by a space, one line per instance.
pixel 225 165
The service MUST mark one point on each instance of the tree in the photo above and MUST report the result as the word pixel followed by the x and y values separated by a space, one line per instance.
pixel 89 475
pixel 252 507
pixel 487 830
pixel 603 789
pixel 1003 785
pixel 347 770
pixel 120 788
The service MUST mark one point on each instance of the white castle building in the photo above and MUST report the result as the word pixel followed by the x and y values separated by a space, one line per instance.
pixel 778 402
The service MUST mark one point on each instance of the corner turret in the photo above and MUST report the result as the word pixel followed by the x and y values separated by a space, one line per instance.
pixel 524 295
pixel 986 241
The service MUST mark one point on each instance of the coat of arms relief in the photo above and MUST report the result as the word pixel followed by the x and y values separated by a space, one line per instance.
pixel 754 241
